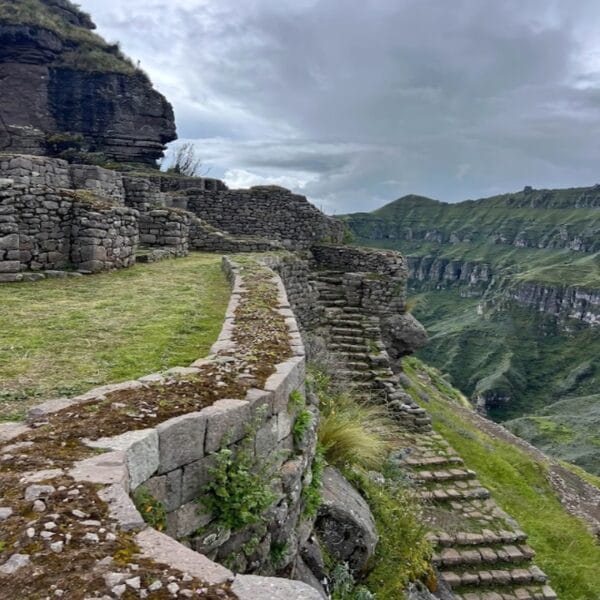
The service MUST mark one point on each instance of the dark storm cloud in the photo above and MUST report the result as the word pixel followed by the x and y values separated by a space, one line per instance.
pixel 356 104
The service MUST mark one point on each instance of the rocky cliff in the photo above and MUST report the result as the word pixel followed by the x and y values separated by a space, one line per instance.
pixel 66 92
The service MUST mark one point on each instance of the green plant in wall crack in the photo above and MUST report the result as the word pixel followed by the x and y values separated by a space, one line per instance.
pixel 301 425
pixel 237 494
pixel 151 509
pixel 278 553
pixel 311 493
pixel 296 401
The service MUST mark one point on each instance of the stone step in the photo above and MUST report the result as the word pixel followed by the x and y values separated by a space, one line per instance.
pixel 417 462
pixel 525 592
pixel 354 356
pixel 443 494
pixel 358 366
pixel 466 557
pixel 355 375
pixel 445 475
pixel 332 303
pixel 347 339
pixel 494 577
pixel 350 348
pixel 485 538
pixel 352 309
pixel 346 331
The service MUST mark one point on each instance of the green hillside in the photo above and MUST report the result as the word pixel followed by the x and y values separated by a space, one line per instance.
pixel 496 335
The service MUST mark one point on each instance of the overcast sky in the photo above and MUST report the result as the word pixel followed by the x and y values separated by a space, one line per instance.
pixel 356 103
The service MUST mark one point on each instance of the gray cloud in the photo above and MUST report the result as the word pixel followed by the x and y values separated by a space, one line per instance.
pixel 355 104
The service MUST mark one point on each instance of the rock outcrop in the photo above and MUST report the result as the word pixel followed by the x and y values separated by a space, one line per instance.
pixel 66 92
pixel 345 524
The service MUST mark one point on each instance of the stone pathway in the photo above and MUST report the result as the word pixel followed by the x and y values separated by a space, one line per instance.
pixel 355 338
pixel 480 552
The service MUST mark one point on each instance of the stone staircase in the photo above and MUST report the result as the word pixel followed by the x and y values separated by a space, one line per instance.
pixel 480 552
pixel 355 338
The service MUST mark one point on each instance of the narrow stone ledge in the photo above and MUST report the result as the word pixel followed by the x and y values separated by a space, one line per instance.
pixel 47 408
pixel 109 468
pixel 163 549
pixel 9 431
pixel 252 587
pixel 121 508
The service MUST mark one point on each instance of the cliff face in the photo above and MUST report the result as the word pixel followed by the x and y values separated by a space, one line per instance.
pixel 66 92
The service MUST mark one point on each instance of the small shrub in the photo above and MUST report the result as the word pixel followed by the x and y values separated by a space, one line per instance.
pixel 296 401
pixel 151 509
pixel 343 586
pixel 301 425
pixel 311 494
pixel 352 432
pixel 278 553
pixel 237 495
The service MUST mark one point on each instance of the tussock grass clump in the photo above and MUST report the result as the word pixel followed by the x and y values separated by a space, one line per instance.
pixel 352 432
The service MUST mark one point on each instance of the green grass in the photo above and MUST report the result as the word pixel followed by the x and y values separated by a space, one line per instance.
pixel 565 549
pixel 91 52
pixel 64 336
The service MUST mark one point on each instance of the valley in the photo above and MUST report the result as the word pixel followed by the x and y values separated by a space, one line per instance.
pixel 509 290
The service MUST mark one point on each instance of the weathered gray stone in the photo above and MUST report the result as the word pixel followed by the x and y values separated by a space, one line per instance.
pixel 251 587
pixel 345 524
pixel 109 468
pixel 181 440
pixel 121 507
pixel 141 449
pixel 14 563
pixel 166 550
pixel 226 423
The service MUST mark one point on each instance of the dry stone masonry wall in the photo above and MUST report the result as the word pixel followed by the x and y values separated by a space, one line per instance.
pixel 173 462
pixel 60 216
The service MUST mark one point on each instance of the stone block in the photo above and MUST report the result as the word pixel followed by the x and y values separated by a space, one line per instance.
pixel 226 423
pixel 10 266
pixel 267 438
pixel 106 468
pixel 42 411
pixel 195 477
pixel 181 440
pixel 141 450
pixel 251 587
pixel 166 489
pixel 187 519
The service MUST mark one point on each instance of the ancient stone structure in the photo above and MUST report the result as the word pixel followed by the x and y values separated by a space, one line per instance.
pixel 251 212
pixel 61 216
pixel 66 92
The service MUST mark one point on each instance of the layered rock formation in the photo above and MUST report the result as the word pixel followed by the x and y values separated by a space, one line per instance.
pixel 66 92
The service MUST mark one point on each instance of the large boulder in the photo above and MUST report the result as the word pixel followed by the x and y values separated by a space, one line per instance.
pixel 403 335
pixel 345 524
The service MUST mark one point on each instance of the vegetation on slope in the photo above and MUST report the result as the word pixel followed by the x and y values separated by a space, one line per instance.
pixel 87 50
pixel 356 436
pixel 565 549
pixel 65 336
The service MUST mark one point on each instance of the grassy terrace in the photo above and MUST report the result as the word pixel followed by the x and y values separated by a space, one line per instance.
pixel 565 549
pixel 64 336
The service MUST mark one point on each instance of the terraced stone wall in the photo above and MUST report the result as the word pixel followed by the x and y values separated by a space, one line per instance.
pixel 173 462
pixel 267 211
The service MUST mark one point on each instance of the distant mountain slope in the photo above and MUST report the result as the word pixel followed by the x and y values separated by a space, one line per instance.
pixel 509 289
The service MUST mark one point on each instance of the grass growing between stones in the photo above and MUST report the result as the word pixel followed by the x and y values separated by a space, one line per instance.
pixel 61 337
pixel 566 551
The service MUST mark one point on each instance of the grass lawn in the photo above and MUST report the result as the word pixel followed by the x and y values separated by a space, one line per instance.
pixel 61 337
pixel 565 549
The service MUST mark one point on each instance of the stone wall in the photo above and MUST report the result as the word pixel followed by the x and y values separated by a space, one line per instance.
pixel 102 182
pixel 103 239
pixel 172 461
pixel 374 280
pixel 166 227
pixel 268 211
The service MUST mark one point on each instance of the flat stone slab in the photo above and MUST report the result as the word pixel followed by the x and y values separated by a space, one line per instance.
pixel 121 507
pixel 252 587
pixel 164 549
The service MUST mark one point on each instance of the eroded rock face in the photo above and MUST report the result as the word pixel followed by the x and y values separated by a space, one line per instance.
pixel 403 335
pixel 345 524
pixel 61 99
